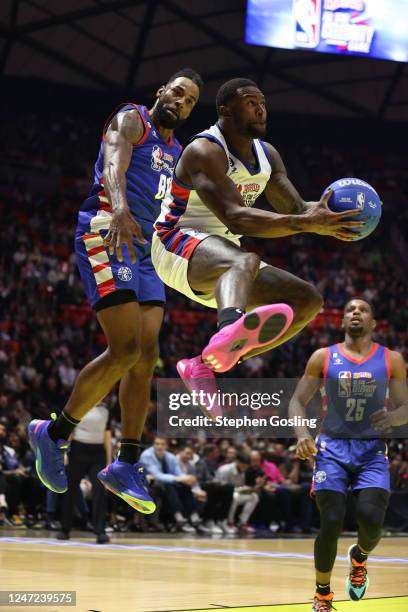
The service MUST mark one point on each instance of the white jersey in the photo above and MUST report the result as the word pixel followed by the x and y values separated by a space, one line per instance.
pixel 184 209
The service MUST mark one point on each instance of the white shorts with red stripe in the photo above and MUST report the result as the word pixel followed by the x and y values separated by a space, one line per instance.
pixel 171 252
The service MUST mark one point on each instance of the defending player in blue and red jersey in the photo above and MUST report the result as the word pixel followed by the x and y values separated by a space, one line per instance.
pixel 133 174
pixel 359 378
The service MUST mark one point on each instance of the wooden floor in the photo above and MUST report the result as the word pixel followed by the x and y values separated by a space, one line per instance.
pixel 146 575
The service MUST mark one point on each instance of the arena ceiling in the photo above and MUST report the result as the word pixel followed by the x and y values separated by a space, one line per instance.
pixel 132 46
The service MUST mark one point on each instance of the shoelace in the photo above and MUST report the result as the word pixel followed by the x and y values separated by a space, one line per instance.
pixel 324 605
pixel 358 575
pixel 141 473
pixel 59 459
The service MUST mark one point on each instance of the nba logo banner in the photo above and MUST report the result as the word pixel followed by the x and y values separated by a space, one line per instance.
pixel 307 19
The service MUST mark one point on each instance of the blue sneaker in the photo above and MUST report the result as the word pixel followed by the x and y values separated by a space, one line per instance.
pixel 357 581
pixel 49 456
pixel 128 481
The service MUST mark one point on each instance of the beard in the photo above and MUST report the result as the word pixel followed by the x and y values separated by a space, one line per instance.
pixel 164 118
pixel 356 331
pixel 255 130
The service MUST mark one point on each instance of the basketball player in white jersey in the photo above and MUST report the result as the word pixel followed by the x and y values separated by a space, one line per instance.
pixel 196 246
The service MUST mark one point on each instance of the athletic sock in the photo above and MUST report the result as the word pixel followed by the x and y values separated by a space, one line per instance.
pixel 358 555
pixel 323 589
pixel 228 316
pixel 63 427
pixel 130 450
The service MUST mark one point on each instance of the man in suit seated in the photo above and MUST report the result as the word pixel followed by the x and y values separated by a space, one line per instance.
pixel 177 487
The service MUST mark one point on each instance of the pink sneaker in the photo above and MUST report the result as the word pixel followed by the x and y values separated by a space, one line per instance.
pixel 199 378
pixel 261 326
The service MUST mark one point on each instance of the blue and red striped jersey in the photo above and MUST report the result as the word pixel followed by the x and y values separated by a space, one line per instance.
pixel 148 178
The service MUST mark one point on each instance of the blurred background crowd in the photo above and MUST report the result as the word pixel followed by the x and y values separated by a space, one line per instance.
pixel 48 332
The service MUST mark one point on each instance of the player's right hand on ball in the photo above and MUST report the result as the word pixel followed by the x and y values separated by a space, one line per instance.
pixel 322 220
pixel 305 448
pixel 121 231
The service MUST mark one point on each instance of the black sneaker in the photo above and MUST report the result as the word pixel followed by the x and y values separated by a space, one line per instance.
pixel 102 538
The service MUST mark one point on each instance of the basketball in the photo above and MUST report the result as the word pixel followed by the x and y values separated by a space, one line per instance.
pixel 349 193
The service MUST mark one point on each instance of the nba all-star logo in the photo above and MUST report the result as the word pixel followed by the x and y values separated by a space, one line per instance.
pixel 344 383
pixel 125 274
pixel 161 160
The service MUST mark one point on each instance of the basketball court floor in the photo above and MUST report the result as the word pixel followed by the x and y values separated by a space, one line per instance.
pixel 177 574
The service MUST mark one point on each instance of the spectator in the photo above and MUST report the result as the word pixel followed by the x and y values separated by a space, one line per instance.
pixel 185 460
pixel 244 495
pixel 276 495
pixel 3 501
pixel 33 491
pixel 231 454
pixel 219 495
pixel 14 475
pixel 176 486
pixel 67 373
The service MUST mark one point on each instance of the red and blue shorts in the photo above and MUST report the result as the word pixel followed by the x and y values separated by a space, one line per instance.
pixel 103 275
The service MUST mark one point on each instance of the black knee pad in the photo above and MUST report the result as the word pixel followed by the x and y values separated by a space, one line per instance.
pixel 371 506
pixel 332 508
